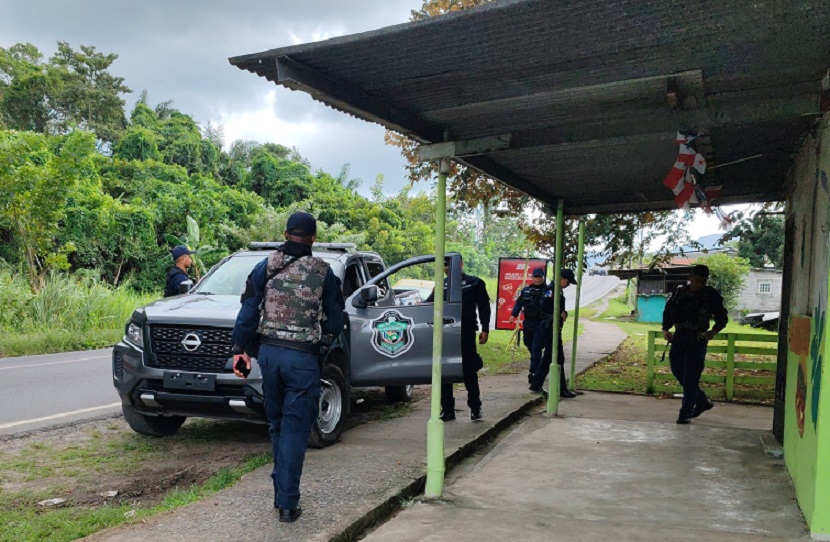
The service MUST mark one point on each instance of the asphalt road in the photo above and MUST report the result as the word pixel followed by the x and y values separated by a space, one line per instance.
pixel 53 389
pixel 40 391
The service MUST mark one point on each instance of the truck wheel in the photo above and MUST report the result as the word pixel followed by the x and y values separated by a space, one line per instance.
pixel 399 394
pixel 333 397
pixel 154 426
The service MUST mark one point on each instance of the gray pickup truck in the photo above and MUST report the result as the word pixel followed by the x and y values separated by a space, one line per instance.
pixel 174 361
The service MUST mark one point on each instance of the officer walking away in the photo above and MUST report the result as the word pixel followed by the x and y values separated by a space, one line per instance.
pixel 535 301
pixel 474 298
pixel 178 273
pixel 690 310
pixel 292 300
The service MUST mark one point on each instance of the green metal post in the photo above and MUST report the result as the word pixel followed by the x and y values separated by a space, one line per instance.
pixel 553 382
pixel 580 255
pixel 435 427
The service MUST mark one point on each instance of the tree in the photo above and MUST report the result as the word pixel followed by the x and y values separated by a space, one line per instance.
pixel 726 275
pixel 760 239
pixel 37 173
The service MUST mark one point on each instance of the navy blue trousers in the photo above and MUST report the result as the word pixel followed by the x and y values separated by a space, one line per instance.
pixel 291 384
pixel 471 362
pixel 687 357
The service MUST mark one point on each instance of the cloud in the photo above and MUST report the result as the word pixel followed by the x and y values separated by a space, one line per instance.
pixel 178 51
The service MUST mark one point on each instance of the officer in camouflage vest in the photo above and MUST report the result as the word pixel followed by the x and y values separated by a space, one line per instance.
pixel 291 301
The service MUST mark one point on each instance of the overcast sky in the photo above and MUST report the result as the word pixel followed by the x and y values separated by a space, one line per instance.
pixel 178 49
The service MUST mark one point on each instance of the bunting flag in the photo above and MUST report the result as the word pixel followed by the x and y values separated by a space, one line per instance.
pixel 680 179
pixel 682 182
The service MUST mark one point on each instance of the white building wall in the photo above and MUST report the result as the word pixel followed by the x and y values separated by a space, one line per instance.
pixel 752 299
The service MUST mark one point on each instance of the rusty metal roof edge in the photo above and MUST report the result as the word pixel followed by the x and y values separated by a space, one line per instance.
pixel 244 61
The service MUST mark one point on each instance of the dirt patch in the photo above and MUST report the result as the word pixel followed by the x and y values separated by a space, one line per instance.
pixel 87 462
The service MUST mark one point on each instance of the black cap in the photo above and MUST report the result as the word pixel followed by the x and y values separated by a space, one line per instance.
pixel 700 271
pixel 569 275
pixel 301 224
pixel 180 251
pixel 539 272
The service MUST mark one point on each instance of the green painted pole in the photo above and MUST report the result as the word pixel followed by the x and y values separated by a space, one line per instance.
pixel 435 427
pixel 580 255
pixel 553 381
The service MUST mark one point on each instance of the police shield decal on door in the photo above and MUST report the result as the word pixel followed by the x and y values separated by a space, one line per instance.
pixel 392 334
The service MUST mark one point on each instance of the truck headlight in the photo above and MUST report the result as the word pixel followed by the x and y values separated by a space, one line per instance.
pixel 135 335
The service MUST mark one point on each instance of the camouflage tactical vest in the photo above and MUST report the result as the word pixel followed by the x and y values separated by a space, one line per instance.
pixel 292 305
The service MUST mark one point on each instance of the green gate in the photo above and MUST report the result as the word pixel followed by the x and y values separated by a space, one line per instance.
pixel 728 371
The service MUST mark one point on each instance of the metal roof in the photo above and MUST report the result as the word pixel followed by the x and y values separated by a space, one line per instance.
pixel 572 100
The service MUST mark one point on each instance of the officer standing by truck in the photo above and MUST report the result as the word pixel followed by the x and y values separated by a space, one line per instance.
pixel 178 273
pixel 291 300
pixel 690 310
pixel 474 298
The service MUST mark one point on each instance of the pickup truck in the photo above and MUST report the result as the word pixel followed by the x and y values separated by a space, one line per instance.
pixel 174 360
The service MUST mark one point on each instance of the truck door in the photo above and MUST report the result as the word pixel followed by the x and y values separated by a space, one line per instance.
pixel 391 334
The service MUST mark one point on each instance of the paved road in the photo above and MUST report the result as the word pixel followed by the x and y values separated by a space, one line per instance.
pixel 38 391
pixel 593 287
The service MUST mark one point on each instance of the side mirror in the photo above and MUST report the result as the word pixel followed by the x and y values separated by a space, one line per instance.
pixel 185 286
pixel 366 296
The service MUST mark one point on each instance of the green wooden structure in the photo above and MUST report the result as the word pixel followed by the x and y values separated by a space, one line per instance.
pixel 723 371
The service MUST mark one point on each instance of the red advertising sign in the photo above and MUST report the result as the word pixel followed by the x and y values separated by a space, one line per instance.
pixel 514 274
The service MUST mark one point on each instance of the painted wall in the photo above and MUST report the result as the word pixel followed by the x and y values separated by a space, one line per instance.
pixel 752 301
pixel 650 307
pixel 806 440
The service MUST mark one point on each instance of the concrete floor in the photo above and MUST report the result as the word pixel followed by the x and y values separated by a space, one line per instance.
pixel 616 467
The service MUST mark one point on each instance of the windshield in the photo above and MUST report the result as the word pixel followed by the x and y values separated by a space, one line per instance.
pixel 229 278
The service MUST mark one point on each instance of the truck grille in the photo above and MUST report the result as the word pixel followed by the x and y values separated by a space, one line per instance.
pixel 190 349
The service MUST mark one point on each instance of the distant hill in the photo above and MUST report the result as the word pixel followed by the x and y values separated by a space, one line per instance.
pixel 707 242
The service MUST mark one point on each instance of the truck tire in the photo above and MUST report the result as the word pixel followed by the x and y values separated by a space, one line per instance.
pixel 154 426
pixel 334 394
pixel 399 394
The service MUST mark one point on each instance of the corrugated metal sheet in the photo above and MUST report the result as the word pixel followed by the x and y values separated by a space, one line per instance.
pixel 581 87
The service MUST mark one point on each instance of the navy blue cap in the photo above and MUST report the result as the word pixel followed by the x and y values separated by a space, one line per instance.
pixel 569 275
pixel 180 251
pixel 700 270
pixel 301 224
pixel 539 272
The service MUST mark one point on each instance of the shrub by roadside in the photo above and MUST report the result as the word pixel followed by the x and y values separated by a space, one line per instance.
pixel 70 313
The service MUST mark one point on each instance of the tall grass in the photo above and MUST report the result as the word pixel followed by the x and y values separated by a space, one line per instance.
pixel 71 312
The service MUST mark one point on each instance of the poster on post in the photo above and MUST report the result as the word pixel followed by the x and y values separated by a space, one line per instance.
pixel 514 274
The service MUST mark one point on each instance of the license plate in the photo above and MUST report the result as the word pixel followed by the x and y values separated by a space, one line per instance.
pixel 189 381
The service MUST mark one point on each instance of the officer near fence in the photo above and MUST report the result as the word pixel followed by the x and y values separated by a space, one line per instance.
pixel 690 310
pixel 292 300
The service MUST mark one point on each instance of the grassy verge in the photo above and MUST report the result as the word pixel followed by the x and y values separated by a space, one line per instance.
pixel 150 475
pixel 502 356
pixel 69 313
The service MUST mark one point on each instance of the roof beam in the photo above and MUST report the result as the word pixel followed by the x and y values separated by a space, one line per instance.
pixel 726 114
pixel 297 76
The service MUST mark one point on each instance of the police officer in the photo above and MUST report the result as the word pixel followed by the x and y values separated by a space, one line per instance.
pixel 535 301
pixel 291 300
pixel 690 310
pixel 178 273
pixel 566 279
pixel 474 298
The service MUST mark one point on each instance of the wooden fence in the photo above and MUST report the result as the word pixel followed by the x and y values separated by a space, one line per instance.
pixel 728 371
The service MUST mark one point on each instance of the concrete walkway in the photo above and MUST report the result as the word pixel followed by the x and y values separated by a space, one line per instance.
pixel 606 468
pixel 616 467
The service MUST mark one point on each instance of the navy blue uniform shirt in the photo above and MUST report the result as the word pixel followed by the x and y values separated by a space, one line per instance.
pixel 175 276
